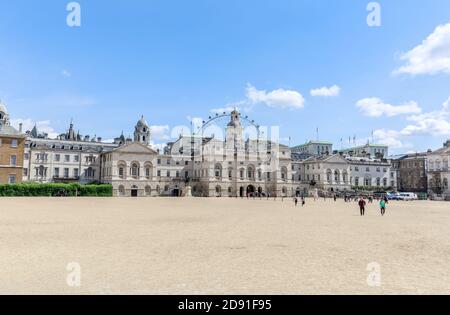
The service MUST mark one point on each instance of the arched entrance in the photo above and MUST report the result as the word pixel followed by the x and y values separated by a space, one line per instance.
pixel 134 191
pixel 241 192
pixel 176 192
pixel 250 190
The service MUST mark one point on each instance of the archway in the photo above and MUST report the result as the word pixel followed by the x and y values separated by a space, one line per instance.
pixel 250 190
pixel 134 191
pixel 241 192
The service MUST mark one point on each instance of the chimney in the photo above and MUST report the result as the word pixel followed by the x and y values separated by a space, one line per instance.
pixel 20 127
pixel 99 139
pixel 447 144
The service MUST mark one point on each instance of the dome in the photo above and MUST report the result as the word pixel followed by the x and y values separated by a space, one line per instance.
pixel 142 122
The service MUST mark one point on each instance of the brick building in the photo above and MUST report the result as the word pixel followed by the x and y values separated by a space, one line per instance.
pixel 12 143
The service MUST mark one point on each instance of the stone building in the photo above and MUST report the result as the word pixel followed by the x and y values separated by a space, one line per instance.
pixel 439 172
pixel 411 170
pixel 339 173
pixel 68 158
pixel 12 143
pixel 233 167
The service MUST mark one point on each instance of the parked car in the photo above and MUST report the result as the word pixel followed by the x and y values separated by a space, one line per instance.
pixel 393 196
pixel 408 196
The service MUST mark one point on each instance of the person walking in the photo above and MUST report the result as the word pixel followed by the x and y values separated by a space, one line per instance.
pixel 383 207
pixel 296 201
pixel 362 206
pixel 303 201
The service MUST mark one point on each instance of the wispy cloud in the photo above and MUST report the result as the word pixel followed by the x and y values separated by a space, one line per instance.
pixel 42 126
pixel 375 107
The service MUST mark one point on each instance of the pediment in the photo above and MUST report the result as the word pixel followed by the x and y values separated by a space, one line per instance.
pixel 135 148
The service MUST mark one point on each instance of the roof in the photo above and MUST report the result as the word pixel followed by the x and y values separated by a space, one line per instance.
pixel 10 131
pixel 313 142
pixel 364 146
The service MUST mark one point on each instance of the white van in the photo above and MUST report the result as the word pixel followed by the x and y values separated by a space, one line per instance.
pixel 407 196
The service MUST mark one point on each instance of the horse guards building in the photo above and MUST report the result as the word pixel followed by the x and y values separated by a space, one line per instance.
pixel 206 166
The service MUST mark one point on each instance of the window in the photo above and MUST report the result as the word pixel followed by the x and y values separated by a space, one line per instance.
pixel 356 181
pixel 12 179
pixel 385 182
pixel 159 173
pixel 76 158
pixel 14 143
pixel 168 174
pixel 135 170
pixel 56 172
pixel 76 172
pixel 159 161
pixel 0 142
pixel 66 173
pixel 25 172
pixel 121 174
pixel 57 157
pixel 13 160
pixel 26 156
pixel 67 158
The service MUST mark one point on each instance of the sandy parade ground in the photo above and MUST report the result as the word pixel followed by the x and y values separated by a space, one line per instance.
pixel 221 246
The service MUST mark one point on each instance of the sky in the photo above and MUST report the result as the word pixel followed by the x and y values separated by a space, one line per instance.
pixel 302 65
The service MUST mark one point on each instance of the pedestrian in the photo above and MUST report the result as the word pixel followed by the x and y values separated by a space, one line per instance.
pixel 383 207
pixel 303 201
pixel 296 201
pixel 362 206
pixel 335 198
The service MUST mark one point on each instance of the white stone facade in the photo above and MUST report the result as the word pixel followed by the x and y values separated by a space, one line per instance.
pixel 439 172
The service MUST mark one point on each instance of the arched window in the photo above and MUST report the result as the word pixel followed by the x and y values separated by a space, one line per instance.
pixel 284 173
pixel 251 172
pixel 218 171
pixel 241 173
pixel 122 166
pixel 259 174
pixel 134 170
pixel 336 176
pixel 148 170
pixel 378 182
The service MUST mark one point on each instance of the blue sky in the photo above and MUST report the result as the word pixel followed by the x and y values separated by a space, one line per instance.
pixel 171 60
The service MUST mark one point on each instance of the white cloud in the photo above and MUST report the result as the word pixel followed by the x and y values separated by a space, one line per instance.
pixel 66 73
pixel 160 133
pixel 388 137
pixel 42 126
pixel 433 123
pixel 430 57
pixel 278 98
pixel 375 107
pixel 326 91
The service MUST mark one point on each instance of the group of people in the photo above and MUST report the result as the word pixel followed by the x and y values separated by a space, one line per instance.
pixel 303 200
pixel 362 205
